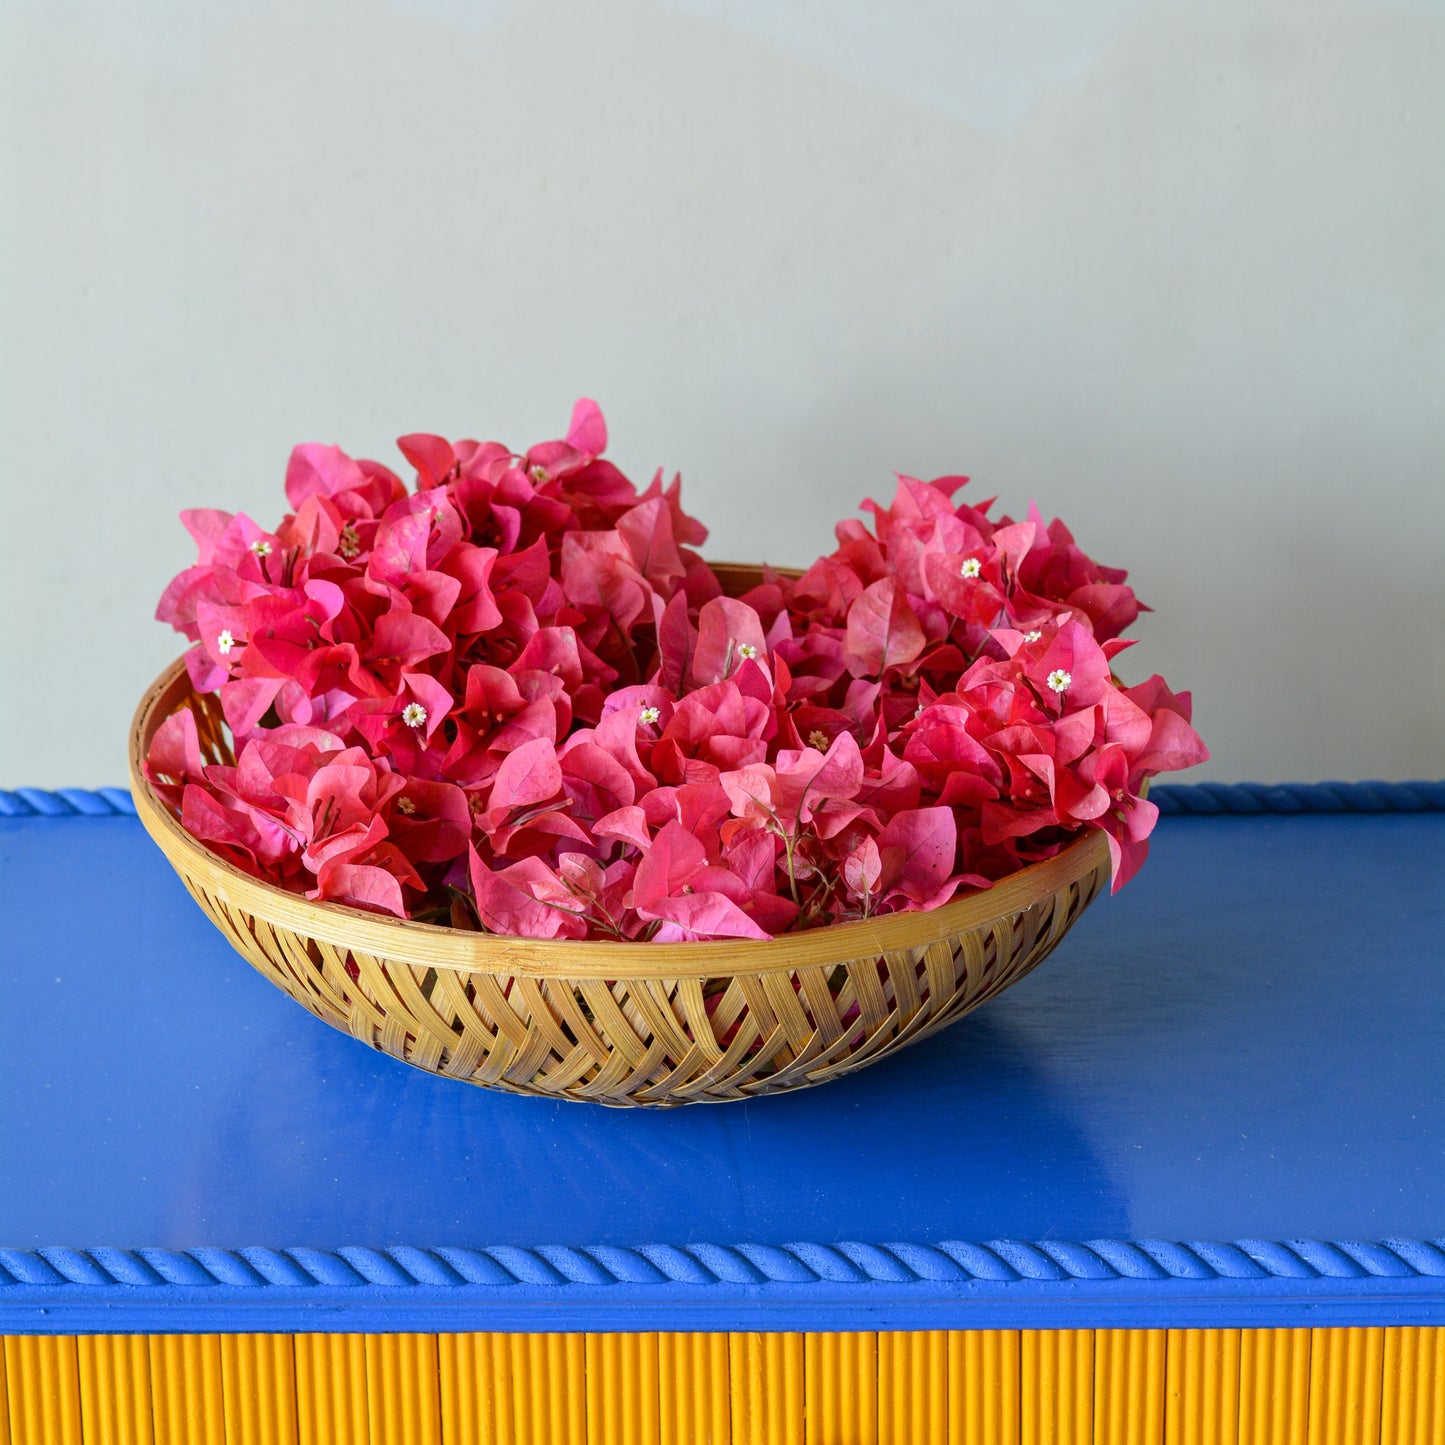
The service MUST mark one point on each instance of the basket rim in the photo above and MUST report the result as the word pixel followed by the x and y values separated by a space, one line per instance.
pixel 462 951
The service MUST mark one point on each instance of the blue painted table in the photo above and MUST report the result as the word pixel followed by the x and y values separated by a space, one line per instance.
pixel 1220 1102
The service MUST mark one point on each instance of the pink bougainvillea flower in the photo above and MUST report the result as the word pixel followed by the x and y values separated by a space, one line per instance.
pixel 500 713
pixel 228 833
pixel 373 880
pixel 1056 569
pixel 430 822
pixel 594 782
pixel 676 643
pixel 1172 743
pixel 526 811
pixel 729 633
pixel 474 609
pixel 883 630
pixel 917 850
pixel 717 725
pixel 174 758
pixel 676 886
pixel 434 458
pixel 528 776
pixel 587 432
pixel 357 489
pixel 527 899
pixel 626 825
pixel 1126 818
pixel 647 530
pixel 415 535
pixel 862 872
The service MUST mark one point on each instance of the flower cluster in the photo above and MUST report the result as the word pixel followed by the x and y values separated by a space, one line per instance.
pixel 514 698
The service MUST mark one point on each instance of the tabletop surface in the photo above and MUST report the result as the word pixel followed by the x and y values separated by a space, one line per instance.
pixel 1244 1044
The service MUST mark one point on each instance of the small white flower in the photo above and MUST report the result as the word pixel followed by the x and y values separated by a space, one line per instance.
pixel 405 805
pixel 1032 636
pixel 261 547
pixel 1059 680
pixel 225 642
pixel 648 716
pixel 538 473
pixel 818 739
pixel 971 567
pixel 746 650
pixel 413 715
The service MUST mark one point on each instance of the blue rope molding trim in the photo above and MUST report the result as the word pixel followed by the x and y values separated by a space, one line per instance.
pixel 1255 798
pixel 1003 1284
pixel 1000 1261
pixel 66 803
pixel 1195 799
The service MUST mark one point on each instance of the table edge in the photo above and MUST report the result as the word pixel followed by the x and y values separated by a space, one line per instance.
pixel 998 1284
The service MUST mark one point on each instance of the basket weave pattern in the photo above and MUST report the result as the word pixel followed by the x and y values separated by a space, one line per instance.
pixel 622 1023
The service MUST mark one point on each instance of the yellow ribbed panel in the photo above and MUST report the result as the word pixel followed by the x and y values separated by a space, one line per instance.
pixel 976 1387
pixel 983 1387
pixel 840 1389
pixel 258 1389
pixel 913 1387
pixel 765 1380
pixel 1202 1387
pixel 549 1384
pixel 1346 1386
pixel 464 1367
pixel 1413 1410
pixel 331 1404
pixel 402 1403
pixel 115 1389
pixel 1129 1387
pixel 513 1389
pixel 1058 1387
pixel 692 1376
pixel 1274 1386
pixel 186 1390
pixel 42 1387
pixel 622 1397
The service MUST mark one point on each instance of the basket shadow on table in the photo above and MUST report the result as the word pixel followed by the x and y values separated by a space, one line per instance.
pixel 962 1136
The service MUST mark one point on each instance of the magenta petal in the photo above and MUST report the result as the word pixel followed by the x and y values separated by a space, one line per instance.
pixel 207 526
pixel 918 849
pixel 674 859
pixel 316 470
pixel 728 633
pixel 432 456
pixel 588 431
pixel 205 672
pixel 406 638
pixel 246 700
pixel 175 750
pixel 628 825
pixel 883 630
pixel 1173 744
pixel 529 775
pixel 862 869
pixel 707 915
pixel 359 886
pixel 676 643
pixel 507 900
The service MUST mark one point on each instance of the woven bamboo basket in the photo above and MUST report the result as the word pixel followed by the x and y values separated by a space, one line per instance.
pixel 621 1023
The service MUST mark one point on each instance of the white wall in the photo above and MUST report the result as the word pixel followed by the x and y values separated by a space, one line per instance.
pixel 1176 270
